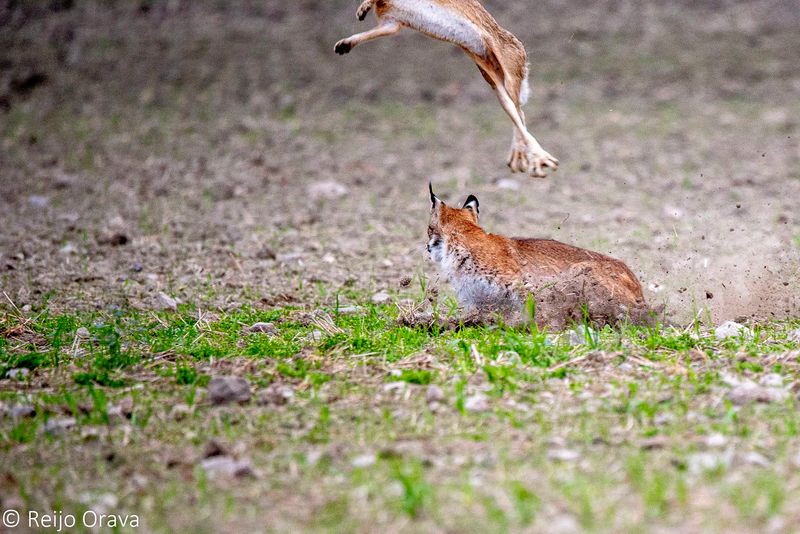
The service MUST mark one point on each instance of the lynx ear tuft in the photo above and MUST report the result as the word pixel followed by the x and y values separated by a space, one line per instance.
pixel 435 201
pixel 472 204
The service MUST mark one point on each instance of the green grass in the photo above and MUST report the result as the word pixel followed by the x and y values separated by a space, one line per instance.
pixel 564 430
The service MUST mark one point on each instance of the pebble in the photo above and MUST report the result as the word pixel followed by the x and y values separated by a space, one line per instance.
pixel 83 333
pixel 349 310
pixel 730 329
pixel 315 336
pixel 225 466
pixel 382 297
pixel 756 458
pixel 772 380
pixel 59 425
pixel 276 394
pixel 477 403
pixel 434 394
pixel 716 440
pixel 700 462
pixel 166 302
pixel 38 201
pixel 579 334
pixel 563 455
pixel 508 184
pixel 22 410
pixel 68 248
pixel 749 392
pixel 326 189
pixel 364 460
pixel 263 328
pixel 18 374
pixel 226 389
pixel 795 336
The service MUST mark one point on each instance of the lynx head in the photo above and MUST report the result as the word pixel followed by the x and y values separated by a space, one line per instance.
pixel 446 221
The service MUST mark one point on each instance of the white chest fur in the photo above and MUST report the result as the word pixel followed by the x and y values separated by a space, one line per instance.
pixel 433 19
pixel 474 291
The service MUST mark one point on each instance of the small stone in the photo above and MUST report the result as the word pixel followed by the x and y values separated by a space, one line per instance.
pixel 315 336
pixel 772 380
pixel 39 201
pixel 563 455
pixel 22 410
pixel 226 389
pixel 381 297
pixel 477 403
pixel 225 466
pixel 263 328
pixel 508 184
pixel 434 394
pixel 18 374
pixel 795 336
pixel 83 333
pixel 276 394
pixel 716 440
pixel 329 189
pixel 730 329
pixel 68 248
pixel 756 458
pixel 748 392
pixel 394 386
pixel 59 425
pixel 364 460
pixel 708 461
pixel 166 302
pixel 329 258
pixel 579 335
pixel 349 310
pixel 625 367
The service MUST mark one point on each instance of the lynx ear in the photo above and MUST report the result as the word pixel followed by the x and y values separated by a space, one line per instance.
pixel 435 201
pixel 472 205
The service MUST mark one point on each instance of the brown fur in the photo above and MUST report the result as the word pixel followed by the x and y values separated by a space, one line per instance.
pixel 565 280
pixel 503 64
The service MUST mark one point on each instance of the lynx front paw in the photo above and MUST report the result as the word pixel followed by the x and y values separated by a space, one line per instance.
pixel 342 47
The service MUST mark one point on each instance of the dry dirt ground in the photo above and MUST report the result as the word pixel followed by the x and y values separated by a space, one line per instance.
pixel 220 153
pixel 242 159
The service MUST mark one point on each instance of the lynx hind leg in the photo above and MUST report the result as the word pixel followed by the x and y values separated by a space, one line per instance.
pixel 364 9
